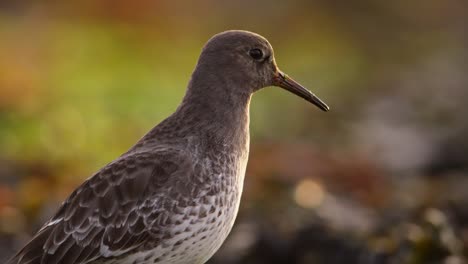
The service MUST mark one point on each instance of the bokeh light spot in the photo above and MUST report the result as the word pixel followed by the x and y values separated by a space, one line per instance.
pixel 309 194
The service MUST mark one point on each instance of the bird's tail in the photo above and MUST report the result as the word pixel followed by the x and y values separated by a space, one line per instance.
pixel 33 251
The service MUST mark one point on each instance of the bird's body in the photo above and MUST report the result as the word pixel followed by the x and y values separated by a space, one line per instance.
pixel 174 196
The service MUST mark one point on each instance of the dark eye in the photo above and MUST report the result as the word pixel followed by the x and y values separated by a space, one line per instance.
pixel 256 54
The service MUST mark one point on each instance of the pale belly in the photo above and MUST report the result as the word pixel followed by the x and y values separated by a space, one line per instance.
pixel 198 237
pixel 202 230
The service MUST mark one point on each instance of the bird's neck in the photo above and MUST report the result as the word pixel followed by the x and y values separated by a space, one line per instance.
pixel 216 109
pixel 212 111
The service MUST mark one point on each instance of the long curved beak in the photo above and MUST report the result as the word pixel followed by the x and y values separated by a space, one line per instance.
pixel 285 82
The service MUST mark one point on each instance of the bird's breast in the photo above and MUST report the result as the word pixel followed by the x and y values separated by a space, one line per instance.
pixel 219 204
pixel 201 217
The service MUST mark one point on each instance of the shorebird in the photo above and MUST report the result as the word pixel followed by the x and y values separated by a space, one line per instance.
pixel 173 197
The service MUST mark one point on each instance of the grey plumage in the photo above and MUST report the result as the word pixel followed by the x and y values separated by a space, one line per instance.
pixel 173 197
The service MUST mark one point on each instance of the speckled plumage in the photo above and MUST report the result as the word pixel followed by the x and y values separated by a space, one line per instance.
pixel 174 196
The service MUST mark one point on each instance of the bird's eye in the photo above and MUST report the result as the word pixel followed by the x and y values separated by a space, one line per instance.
pixel 256 54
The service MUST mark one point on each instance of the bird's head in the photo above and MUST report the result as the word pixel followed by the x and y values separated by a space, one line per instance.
pixel 247 58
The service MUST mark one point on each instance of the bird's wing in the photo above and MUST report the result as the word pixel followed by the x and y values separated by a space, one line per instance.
pixel 111 213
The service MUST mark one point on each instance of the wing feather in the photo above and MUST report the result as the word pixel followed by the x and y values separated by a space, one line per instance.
pixel 108 215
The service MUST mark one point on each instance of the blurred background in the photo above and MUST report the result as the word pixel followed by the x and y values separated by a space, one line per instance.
pixel 382 178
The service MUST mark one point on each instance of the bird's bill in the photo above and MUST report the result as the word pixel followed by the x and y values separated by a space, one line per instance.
pixel 285 82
